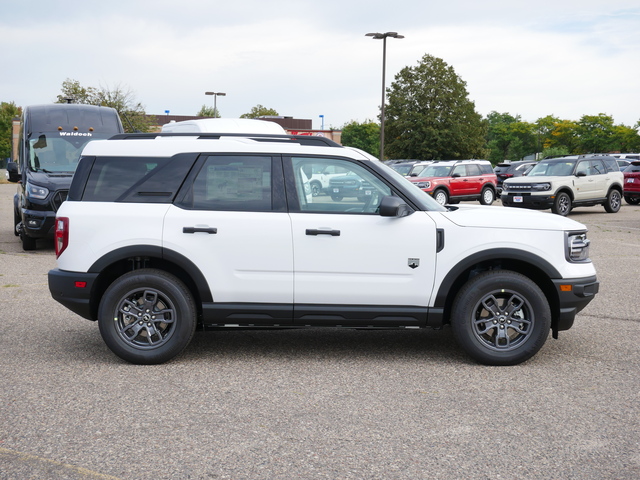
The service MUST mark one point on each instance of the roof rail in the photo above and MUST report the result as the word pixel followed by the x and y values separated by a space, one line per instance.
pixel 258 137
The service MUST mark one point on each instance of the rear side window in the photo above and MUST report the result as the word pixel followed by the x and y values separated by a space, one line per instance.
pixel 232 183
pixel 112 178
pixel 135 179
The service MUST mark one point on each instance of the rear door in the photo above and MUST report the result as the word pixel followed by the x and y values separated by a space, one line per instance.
pixel 231 222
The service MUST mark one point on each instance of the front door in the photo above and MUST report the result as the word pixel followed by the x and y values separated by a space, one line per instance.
pixel 348 257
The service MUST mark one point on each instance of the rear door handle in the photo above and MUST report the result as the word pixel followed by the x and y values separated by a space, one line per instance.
pixel 209 230
pixel 316 231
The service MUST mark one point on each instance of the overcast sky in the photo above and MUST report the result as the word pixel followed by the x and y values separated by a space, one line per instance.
pixel 566 58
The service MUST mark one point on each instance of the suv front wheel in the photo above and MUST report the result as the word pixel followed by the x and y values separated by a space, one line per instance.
pixel 562 204
pixel 147 316
pixel 501 317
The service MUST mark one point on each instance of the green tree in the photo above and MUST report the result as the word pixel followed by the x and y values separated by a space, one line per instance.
pixel 564 135
pixel 206 111
pixel 596 133
pixel 429 115
pixel 625 139
pixel 259 111
pixel 7 113
pixel 132 113
pixel 508 137
pixel 365 136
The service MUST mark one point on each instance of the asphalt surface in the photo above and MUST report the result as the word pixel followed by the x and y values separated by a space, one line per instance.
pixel 320 404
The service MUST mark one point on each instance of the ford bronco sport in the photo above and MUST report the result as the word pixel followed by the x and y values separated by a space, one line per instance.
pixel 162 233
pixel 454 180
pixel 567 182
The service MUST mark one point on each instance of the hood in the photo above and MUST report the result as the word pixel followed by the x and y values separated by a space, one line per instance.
pixel 505 217
pixel 51 181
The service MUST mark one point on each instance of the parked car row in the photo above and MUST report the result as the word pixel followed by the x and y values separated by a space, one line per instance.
pixel 559 184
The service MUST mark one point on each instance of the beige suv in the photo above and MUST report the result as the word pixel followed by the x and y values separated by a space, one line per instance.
pixel 564 183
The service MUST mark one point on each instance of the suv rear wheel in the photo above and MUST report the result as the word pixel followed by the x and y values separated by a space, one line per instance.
pixel 613 202
pixel 487 196
pixel 147 316
pixel 501 317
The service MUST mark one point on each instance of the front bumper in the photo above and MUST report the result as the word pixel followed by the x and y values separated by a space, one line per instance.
pixel 573 296
pixel 74 291
pixel 38 224
pixel 526 200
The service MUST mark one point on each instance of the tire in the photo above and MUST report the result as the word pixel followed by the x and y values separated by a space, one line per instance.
pixel 142 337
pixel 16 222
pixel 28 243
pixel 562 205
pixel 441 196
pixel 487 197
pixel 500 317
pixel 336 198
pixel 613 202
pixel 316 188
pixel 632 200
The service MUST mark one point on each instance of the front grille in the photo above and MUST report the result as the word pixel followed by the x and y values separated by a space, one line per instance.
pixel 59 197
pixel 518 187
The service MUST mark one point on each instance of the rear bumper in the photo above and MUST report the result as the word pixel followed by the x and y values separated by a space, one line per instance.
pixel 573 296
pixel 73 290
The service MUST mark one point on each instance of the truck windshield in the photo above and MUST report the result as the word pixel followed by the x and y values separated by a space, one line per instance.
pixel 58 151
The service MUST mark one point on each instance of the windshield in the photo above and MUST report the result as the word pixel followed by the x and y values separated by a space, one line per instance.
pixel 52 152
pixel 436 171
pixel 556 168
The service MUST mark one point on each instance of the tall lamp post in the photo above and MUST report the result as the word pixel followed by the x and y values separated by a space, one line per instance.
pixel 383 37
pixel 215 95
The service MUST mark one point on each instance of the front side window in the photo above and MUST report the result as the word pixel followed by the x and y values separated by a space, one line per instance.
pixel 352 189
pixel 232 183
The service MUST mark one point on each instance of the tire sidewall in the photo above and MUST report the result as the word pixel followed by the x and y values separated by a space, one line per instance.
pixel 484 200
pixel 441 195
pixel 462 315
pixel 558 209
pixel 614 202
pixel 168 285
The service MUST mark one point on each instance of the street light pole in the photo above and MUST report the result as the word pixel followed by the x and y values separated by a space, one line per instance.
pixel 215 95
pixel 383 37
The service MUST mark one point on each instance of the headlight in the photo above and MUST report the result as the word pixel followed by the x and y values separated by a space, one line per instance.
pixel 541 187
pixel 577 247
pixel 35 191
pixel 423 184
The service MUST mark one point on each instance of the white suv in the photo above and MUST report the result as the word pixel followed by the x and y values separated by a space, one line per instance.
pixel 563 183
pixel 162 233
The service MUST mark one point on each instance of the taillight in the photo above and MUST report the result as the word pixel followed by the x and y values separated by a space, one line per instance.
pixel 61 235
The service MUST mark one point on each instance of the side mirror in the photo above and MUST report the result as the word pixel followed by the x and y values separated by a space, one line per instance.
pixel 12 172
pixel 581 174
pixel 391 206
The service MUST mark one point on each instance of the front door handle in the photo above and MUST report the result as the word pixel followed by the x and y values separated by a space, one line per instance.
pixel 316 231
pixel 209 230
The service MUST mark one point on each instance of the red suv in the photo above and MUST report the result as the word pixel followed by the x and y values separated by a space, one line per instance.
pixel 454 180
pixel 632 183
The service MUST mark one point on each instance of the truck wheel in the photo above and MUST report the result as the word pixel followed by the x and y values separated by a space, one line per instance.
pixel 613 202
pixel 441 197
pixel 487 196
pixel 562 204
pixel 500 317
pixel 28 243
pixel 336 198
pixel 147 316
pixel 316 188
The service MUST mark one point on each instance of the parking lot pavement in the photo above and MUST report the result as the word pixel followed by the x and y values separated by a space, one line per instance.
pixel 320 404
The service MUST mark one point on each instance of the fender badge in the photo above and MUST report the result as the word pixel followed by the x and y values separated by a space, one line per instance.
pixel 414 262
